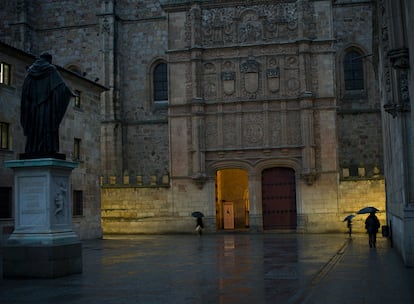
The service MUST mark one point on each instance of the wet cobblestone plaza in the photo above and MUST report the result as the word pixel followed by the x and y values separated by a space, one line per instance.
pixel 226 268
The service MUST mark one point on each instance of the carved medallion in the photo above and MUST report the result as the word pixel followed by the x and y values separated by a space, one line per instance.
pixel 253 133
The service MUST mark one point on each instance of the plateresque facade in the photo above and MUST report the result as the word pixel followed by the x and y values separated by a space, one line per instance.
pixel 260 114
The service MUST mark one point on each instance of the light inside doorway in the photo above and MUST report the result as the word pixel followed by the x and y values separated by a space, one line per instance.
pixel 232 199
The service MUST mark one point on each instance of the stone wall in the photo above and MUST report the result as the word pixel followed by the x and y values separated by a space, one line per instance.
pixel 355 194
pixel 252 85
pixel 359 112
pixel 79 122
pixel 397 89
pixel 157 208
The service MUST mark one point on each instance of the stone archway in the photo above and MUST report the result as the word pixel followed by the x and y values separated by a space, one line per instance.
pixel 232 199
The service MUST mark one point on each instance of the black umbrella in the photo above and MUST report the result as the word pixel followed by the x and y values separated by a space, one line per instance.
pixel 197 214
pixel 367 210
pixel 349 217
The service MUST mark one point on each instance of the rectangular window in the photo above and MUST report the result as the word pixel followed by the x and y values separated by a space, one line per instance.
pixel 76 148
pixel 77 99
pixel 5 202
pixel 5 73
pixel 77 202
pixel 4 135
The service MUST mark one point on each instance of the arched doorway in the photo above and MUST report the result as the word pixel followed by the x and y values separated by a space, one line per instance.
pixel 279 198
pixel 232 199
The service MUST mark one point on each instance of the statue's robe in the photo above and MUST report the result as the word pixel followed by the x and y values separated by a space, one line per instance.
pixel 45 98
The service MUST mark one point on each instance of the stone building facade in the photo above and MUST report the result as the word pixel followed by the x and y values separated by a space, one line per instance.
pixel 396 65
pixel 260 114
pixel 75 143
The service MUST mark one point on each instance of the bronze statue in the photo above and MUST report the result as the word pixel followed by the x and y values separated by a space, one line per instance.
pixel 45 98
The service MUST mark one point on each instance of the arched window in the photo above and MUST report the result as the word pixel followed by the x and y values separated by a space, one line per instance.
pixel 160 82
pixel 353 71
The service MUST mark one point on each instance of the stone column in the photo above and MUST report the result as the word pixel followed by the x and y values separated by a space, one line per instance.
pixel 255 198
pixel 43 244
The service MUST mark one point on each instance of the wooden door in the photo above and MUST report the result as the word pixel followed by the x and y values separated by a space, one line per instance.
pixel 279 198
pixel 228 215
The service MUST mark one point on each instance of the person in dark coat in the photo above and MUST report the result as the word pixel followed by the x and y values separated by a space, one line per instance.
pixel 199 225
pixel 45 98
pixel 372 225
pixel 349 225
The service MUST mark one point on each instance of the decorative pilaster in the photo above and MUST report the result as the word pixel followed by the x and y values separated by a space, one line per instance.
pixel 307 129
pixel 112 129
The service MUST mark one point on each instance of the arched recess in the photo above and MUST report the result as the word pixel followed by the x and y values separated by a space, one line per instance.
pixel 232 200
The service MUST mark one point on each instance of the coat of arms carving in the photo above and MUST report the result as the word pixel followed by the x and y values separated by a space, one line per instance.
pixel 273 79
pixel 228 80
pixel 250 69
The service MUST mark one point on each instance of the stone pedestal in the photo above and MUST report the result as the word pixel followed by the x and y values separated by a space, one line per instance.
pixel 43 244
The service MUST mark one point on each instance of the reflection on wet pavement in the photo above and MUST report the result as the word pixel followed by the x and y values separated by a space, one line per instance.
pixel 222 268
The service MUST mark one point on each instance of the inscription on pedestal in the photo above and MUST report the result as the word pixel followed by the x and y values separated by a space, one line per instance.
pixel 33 201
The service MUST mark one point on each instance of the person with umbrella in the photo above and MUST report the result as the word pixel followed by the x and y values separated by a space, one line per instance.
pixel 372 225
pixel 348 221
pixel 199 221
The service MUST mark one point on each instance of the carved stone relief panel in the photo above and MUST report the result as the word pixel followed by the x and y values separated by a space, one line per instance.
pixel 291 80
pixel 210 83
pixel 273 75
pixel 403 87
pixel 249 24
pixel 309 23
pixel 228 78
pixel 252 130
pixel 211 132
pixel 210 87
pixel 230 135
pixel 275 129
pixel 188 82
pixel 314 72
pixel 250 27
pixel 251 82
pixel 254 77
pixel 293 128
pixel 291 62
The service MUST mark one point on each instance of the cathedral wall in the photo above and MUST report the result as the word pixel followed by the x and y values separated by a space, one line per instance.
pixel 359 116
pixel 396 74
pixel 149 142
pixel 360 142
pixel 248 83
